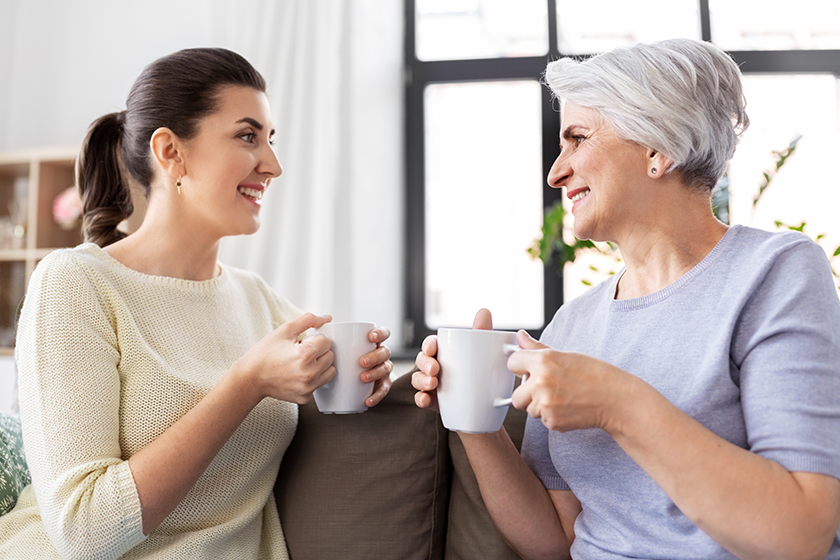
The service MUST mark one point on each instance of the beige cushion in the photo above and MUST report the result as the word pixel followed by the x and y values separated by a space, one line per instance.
pixel 370 485
pixel 471 532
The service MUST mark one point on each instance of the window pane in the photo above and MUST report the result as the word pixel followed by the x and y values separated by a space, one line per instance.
pixel 807 187
pixel 483 203
pixel 593 27
pixel 466 29
pixel 775 25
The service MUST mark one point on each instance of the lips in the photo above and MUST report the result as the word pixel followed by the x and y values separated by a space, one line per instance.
pixel 578 194
pixel 253 192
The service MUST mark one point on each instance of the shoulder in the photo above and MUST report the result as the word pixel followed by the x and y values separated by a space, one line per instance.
pixel 786 256
pixel 752 246
pixel 63 268
pixel 589 305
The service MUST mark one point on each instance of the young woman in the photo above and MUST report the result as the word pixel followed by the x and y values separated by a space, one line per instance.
pixel 158 387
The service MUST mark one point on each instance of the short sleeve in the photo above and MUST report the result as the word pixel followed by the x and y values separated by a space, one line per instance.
pixel 786 350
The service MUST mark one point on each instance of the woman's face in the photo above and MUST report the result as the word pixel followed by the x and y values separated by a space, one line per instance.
pixel 600 172
pixel 230 163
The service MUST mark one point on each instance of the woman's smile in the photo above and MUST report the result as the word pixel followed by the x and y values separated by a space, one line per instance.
pixel 252 192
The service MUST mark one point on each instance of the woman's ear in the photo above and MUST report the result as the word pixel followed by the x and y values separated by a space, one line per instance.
pixel 657 163
pixel 169 151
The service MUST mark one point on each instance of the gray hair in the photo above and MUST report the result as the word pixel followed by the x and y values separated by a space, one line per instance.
pixel 680 97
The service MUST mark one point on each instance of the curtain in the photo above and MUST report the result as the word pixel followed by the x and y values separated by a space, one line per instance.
pixel 331 229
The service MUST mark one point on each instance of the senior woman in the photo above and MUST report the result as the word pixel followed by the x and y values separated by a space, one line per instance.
pixel 687 407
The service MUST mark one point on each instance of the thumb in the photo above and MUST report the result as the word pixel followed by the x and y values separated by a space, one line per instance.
pixel 296 327
pixel 483 320
pixel 527 342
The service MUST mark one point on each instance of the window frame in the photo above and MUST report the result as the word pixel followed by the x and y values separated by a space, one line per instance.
pixel 419 74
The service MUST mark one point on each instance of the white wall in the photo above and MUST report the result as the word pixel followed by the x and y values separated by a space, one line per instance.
pixel 68 62
pixel 63 63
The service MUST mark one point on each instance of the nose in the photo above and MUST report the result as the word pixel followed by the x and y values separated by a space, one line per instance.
pixel 560 172
pixel 269 164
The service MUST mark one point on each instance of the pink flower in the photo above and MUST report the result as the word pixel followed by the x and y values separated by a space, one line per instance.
pixel 67 208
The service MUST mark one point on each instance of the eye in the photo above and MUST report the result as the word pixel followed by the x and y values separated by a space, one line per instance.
pixel 249 137
pixel 578 139
pixel 271 141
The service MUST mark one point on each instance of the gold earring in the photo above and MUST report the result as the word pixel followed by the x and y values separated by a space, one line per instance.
pixel 178 184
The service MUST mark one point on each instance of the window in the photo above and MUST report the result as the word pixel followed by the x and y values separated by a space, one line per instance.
pixel 482 133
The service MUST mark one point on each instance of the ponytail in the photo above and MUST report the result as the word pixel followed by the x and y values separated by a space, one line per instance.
pixel 105 193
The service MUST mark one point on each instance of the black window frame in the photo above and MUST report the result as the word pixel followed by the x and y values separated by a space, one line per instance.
pixel 419 74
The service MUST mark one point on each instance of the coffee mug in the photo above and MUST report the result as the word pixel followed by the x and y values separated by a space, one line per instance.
pixel 474 383
pixel 346 392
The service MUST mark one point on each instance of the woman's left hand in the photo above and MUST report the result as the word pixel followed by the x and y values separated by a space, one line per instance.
pixel 378 366
pixel 566 390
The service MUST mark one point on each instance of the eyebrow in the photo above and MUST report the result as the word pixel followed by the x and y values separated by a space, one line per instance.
pixel 567 133
pixel 255 123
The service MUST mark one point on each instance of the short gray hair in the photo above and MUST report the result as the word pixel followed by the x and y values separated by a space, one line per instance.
pixel 680 97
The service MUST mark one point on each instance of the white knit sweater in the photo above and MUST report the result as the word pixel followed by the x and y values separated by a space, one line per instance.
pixel 108 359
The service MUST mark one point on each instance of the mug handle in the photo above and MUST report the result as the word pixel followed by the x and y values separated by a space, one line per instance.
pixel 509 349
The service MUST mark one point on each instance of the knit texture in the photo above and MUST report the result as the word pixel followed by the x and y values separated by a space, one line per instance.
pixel 109 358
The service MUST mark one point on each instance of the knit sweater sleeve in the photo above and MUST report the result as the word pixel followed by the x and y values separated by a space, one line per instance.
pixel 67 355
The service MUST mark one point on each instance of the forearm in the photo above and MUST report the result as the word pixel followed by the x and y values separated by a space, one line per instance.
pixel 516 500
pixel 751 505
pixel 165 470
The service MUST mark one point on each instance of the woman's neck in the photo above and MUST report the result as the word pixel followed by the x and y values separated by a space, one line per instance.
pixel 163 246
pixel 660 250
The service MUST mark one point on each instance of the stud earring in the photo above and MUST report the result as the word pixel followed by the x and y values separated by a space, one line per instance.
pixel 652 170
pixel 178 184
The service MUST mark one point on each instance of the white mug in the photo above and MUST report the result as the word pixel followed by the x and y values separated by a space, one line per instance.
pixel 346 392
pixel 474 384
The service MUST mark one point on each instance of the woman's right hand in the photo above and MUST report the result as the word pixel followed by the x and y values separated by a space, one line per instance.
pixel 426 380
pixel 286 368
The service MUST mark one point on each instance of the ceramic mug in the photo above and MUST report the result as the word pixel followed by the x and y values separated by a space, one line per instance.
pixel 474 383
pixel 346 392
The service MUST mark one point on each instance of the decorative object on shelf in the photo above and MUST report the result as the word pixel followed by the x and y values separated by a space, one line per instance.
pixel 7 233
pixel 67 208
pixel 17 213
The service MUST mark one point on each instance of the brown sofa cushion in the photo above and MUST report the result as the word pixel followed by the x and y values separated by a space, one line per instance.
pixel 370 485
pixel 471 532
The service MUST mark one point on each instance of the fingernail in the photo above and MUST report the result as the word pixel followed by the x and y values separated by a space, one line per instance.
pixel 427 382
pixel 366 362
pixel 367 377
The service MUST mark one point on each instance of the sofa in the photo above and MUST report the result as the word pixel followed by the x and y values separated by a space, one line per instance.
pixel 391 483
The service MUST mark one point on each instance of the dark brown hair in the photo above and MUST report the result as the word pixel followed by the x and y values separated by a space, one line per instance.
pixel 176 92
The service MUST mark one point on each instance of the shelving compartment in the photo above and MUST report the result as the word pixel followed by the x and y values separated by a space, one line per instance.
pixel 53 178
pixel 14 199
pixel 12 289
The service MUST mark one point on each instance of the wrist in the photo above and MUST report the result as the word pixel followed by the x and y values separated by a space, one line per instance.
pixel 246 382
pixel 632 402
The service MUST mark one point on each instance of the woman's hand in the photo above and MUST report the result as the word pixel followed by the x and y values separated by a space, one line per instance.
pixel 284 367
pixel 565 390
pixel 378 366
pixel 426 380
